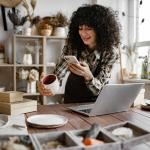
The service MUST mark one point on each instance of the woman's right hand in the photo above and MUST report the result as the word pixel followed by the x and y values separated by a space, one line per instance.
pixel 42 89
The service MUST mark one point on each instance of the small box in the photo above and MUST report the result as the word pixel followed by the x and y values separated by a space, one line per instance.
pixel 109 142
pixel 44 140
pixel 19 141
pixel 11 96
pixel 16 108
pixel 140 135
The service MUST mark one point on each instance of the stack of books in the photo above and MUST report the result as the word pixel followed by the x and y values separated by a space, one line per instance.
pixel 12 103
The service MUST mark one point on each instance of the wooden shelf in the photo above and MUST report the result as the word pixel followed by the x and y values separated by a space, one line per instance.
pixel 28 37
pixel 45 56
pixel 33 65
pixel 38 36
pixel 6 65
pixel 31 94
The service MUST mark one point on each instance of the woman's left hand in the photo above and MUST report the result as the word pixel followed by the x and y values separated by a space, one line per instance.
pixel 81 69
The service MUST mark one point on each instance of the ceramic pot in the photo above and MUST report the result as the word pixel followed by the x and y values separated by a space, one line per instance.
pixel 60 31
pixel 27 59
pixel 45 32
pixel 31 87
pixel 27 31
pixel 18 29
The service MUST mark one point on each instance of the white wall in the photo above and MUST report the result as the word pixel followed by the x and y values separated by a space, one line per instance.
pixel 45 8
pixel 119 6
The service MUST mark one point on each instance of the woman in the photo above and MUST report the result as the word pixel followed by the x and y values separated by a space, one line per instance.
pixel 92 38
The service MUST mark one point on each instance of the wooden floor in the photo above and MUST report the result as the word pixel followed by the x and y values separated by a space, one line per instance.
pixel 78 121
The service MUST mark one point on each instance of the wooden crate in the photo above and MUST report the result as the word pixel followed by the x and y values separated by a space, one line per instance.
pixel 140 135
pixel 15 108
pixel 30 144
pixel 110 142
pixel 11 96
pixel 61 136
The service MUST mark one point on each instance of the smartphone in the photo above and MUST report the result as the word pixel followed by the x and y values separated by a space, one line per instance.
pixel 71 59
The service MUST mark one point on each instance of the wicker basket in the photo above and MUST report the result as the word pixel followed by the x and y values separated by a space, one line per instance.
pixel 10 3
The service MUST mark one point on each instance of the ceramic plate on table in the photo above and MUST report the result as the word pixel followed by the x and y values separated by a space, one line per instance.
pixel 47 121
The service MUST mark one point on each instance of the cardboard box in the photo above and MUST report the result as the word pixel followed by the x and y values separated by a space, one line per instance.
pixel 16 108
pixel 11 96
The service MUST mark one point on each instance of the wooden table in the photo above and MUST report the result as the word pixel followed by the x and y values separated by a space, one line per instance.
pixel 78 121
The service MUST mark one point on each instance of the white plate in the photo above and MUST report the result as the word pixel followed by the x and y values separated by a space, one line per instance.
pixel 47 121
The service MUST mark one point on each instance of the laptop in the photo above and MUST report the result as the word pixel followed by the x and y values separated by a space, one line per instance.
pixel 113 98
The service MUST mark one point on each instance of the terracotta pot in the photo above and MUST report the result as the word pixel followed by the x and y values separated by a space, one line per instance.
pixel 45 32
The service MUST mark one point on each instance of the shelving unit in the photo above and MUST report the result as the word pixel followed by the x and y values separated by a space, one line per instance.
pixel 46 50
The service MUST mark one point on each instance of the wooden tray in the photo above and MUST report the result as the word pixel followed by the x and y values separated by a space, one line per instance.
pixel 63 137
pixel 140 135
pixel 110 142
pixel 30 144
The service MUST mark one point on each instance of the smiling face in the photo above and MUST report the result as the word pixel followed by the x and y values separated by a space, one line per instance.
pixel 88 36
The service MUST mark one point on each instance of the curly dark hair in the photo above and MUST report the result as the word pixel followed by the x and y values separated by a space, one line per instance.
pixel 102 19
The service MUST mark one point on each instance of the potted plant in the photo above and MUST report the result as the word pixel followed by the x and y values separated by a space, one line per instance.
pixel 33 20
pixel 44 28
pixel 17 20
pixel 59 22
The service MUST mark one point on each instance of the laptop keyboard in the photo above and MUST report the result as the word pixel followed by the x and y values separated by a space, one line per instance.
pixel 85 110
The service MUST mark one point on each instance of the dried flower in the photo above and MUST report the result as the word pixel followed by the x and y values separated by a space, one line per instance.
pixel 29 49
pixel 16 18
pixel 62 20
pixel 58 20
pixel 30 13
pixel 35 20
